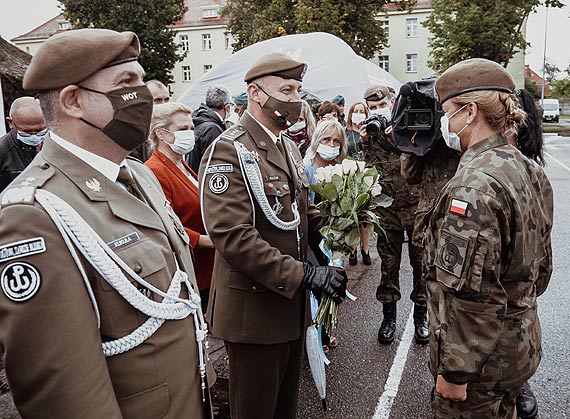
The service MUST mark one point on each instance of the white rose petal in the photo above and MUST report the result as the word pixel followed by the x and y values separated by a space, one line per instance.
pixel 361 165
pixel 376 189
pixel 349 167
pixel 336 170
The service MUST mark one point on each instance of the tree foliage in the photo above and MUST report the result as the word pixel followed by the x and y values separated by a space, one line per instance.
pixel 149 19
pixel 550 72
pixel 491 29
pixel 531 87
pixel 561 88
pixel 355 22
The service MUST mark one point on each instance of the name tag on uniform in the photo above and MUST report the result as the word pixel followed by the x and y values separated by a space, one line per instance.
pixel 272 178
pixel 22 248
pixel 123 241
pixel 220 168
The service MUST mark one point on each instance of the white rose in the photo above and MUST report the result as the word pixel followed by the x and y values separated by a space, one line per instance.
pixel 336 170
pixel 349 167
pixel 323 174
pixel 361 165
pixel 376 189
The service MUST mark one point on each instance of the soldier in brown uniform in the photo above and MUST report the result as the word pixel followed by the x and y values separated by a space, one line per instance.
pixel 98 308
pixel 488 250
pixel 397 220
pixel 256 211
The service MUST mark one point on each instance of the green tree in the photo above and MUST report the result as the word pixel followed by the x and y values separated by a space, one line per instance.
pixel 355 22
pixel 531 87
pixel 149 19
pixel 489 29
pixel 561 88
pixel 550 72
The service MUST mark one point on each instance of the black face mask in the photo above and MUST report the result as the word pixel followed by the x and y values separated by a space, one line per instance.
pixel 132 108
pixel 283 114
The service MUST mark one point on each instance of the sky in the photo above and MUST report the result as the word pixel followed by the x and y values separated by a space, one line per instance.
pixel 21 16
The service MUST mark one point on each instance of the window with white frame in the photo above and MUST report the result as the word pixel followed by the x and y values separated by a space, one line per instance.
pixel 210 13
pixel 206 42
pixel 412 63
pixel 385 24
pixel 229 40
pixel 186 75
pixel 412 28
pixel 184 44
pixel 64 26
pixel 384 62
pixel 207 67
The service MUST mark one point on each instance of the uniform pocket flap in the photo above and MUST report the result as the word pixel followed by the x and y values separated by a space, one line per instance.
pixel 152 403
pixel 239 281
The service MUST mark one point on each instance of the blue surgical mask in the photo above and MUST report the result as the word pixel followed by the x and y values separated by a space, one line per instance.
pixel 328 153
pixel 32 139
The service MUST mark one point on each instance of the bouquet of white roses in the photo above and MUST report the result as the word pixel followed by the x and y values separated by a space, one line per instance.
pixel 350 193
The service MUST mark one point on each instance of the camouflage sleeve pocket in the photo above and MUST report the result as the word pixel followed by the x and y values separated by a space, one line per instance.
pixel 453 258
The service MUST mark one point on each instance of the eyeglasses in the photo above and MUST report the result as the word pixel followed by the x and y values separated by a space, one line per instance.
pixel 31 132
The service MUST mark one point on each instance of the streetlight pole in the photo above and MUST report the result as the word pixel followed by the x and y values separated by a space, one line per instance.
pixel 544 59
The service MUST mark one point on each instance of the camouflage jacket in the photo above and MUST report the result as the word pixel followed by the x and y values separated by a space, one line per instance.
pixel 401 214
pixel 430 172
pixel 488 257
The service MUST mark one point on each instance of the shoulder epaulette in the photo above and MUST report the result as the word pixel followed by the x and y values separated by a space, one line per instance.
pixel 18 195
pixel 233 133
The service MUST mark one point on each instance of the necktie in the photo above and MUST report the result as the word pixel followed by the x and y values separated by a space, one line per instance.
pixel 126 179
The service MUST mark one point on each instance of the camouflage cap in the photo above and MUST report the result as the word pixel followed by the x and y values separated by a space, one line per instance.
pixel 473 75
pixel 72 56
pixel 276 64
pixel 376 92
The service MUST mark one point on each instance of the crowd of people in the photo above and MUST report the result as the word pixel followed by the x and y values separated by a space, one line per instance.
pixel 131 226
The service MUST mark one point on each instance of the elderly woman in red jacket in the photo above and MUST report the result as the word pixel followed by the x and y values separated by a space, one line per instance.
pixel 171 137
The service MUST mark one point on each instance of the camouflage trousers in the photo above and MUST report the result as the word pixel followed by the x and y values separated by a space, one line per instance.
pixel 480 404
pixel 390 251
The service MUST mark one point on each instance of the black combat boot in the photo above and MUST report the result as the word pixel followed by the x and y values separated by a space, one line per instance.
pixel 388 326
pixel 527 408
pixel 421 330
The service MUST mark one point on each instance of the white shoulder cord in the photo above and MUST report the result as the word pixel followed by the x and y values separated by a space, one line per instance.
pixel 105 261
pixel 251 169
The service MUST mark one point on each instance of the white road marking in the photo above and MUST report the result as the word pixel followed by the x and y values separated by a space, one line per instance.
pixel 395 376
pixel 557 161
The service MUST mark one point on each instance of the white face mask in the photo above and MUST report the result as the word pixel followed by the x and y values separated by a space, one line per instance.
pixel 357 118
pixel 328 153
pixel 297 126
pixel 385 112
pixel 451 139
pixel 233 118
pixel 183 142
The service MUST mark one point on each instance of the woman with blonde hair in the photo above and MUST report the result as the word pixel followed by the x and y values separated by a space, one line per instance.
pixel 171 138
pixel 489 250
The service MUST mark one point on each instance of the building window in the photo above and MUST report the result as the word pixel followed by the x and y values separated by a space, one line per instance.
pixel 229 40
pixel 186 75
pixel 206 42
pixel 412 28
pixel 64 26
pixel 207 67
pixel 385 24
pixel 210 13
pixel 184 43
pixel 412 63
pixel 384 62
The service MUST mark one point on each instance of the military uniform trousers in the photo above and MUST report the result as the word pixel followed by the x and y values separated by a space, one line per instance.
pixel 390 251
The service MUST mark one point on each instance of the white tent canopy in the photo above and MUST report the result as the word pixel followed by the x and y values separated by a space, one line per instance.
pixel 333 68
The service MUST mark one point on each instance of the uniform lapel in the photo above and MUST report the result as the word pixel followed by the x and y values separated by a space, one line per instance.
pixel 98 187
pixel 264 142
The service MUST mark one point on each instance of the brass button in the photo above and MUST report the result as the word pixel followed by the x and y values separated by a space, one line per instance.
pixel 278 192
pixel 44 166
pixel 286 187
pixel 281 288
pixel 137 268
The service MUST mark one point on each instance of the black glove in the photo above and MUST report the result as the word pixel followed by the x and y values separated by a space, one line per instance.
pixel 328 279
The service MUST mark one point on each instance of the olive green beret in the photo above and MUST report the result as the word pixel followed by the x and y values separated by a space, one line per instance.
pixel 338 100
pixel 72 56
pixel 276 64
pixel 240 99
pixel 473 75
pixel 376 92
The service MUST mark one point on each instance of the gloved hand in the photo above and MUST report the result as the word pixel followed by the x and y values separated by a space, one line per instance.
pixel 328 279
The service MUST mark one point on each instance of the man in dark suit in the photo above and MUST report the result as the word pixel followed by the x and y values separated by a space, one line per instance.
pixel 103 301
pixel 256 211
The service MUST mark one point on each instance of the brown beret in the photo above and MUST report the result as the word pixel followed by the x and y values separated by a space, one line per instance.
pixel 376 92
pixel 473 75
pixel 72 56
pixel 276 64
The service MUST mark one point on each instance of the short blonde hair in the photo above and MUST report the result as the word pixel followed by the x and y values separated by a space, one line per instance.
pixel 325 128
pixel 162 118
pixel 501 110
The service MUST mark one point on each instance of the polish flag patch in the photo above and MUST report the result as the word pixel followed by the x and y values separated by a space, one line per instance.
pixel 458 207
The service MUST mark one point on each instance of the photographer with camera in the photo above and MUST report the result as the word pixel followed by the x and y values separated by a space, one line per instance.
pixel 397 220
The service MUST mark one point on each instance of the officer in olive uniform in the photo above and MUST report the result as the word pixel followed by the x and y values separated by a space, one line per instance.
pixel 89 249
pixel 398 221
pixel 488 250
pixel 256 211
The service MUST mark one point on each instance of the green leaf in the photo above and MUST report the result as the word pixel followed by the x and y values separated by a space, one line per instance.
pixel 337 182
pixel 353 237
pixel 383 200
pixel 343 223
pixel 346 203
pixel 329 192
pixel 361 201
